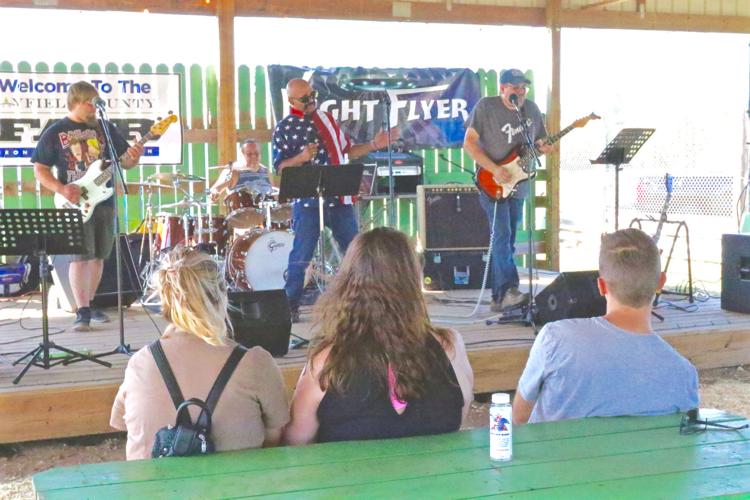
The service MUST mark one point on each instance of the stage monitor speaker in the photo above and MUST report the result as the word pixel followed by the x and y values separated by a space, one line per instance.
pixel 106 294
pixel 451 218
pixel 735 272
pixel 570 295
pixel 261 319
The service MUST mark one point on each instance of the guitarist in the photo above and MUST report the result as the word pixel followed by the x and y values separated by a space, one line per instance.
pixel 493 131
pixel 71 145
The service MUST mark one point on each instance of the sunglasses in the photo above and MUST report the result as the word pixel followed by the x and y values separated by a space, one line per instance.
pixel 691 424
pixel 307 98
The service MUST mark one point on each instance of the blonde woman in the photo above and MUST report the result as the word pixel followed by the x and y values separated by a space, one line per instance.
pixel 253 407
pixel 377 367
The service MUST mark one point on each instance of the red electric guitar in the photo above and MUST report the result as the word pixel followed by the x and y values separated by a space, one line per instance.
pixel 519 163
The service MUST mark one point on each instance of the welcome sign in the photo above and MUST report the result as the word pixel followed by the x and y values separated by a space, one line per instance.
pixel 31 102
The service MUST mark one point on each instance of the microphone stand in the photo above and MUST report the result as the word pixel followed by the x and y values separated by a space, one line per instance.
pixel 118 179
pixel 391 188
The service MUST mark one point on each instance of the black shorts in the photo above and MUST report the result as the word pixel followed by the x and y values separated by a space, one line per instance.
pixel 98 234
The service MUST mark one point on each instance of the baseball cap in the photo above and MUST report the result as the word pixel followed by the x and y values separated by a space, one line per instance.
pixel 513 76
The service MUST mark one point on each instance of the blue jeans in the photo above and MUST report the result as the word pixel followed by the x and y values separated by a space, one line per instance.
pixel 504 272
pixel 342 220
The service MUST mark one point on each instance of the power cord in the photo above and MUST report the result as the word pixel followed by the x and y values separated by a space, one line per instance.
pixel 52 331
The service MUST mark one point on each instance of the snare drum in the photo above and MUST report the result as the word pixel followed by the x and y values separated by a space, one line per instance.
pixel 242 209
pixel 218 233
pixel 258 260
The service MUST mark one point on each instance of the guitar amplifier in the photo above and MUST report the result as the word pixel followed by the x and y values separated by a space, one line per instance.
pixel 451 218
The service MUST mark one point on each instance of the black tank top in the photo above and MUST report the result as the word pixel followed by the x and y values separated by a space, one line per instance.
pixel 365 410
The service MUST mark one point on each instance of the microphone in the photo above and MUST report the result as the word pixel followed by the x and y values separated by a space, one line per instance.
pixel 513 99
pixel 98 102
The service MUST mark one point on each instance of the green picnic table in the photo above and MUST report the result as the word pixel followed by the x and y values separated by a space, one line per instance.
pixel 621 457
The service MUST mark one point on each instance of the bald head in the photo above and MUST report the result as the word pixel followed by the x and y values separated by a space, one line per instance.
pixel 300 95
pixel 297 87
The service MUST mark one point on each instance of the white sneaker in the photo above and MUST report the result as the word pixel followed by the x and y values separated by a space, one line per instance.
pixel 512 299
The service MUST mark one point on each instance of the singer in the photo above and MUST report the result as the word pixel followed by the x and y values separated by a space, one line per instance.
pixel 71 145
pixel 309 136
pixel 493 131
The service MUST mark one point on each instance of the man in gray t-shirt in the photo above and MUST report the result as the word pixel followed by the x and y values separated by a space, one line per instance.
pixel 611 365
pixel 493 132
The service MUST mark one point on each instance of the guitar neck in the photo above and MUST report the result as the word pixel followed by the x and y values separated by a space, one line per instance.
pixel 141 142
pixel 549 140
pixel 554 138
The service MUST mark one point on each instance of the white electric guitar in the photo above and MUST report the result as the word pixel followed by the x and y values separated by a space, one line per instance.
pixel 93 184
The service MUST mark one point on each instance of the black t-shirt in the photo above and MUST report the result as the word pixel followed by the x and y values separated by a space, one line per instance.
pixel 70 147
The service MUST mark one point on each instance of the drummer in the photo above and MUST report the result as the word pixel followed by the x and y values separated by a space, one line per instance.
pixel 246 173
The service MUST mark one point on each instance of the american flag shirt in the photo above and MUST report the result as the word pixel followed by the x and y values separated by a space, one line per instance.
pixel 297 130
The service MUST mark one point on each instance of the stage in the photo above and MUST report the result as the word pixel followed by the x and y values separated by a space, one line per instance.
pixel 76 399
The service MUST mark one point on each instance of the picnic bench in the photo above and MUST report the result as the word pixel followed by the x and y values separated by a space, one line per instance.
pixel 618 457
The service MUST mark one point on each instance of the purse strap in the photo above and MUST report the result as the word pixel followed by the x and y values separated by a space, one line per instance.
pixel 204 419
pixel 166 373
pixel 224 375
pixel 213 396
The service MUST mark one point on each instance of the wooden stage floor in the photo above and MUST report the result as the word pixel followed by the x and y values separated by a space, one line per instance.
pixel 76 399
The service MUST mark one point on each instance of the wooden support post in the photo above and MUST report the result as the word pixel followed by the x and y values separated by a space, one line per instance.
pixel 227 127
pixel 552 243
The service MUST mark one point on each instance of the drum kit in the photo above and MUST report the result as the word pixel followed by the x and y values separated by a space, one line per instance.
pixel 251 242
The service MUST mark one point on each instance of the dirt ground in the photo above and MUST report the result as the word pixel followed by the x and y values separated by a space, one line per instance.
pixel 724 388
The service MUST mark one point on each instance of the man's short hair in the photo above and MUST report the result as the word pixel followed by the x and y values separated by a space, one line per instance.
pixel 629 263
pixel 248 141
pixel 80 92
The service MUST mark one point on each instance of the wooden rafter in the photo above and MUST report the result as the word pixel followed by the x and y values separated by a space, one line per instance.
pixel 602 4
pixel 419 11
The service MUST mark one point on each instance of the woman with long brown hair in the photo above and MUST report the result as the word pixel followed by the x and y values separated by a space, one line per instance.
pixel 253 408
pixel 377 367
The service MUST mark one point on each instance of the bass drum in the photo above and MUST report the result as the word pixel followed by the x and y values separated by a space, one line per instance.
pixel 258 260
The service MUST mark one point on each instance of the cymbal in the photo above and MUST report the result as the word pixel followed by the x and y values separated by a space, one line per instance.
pixel 217 167
pixel 170 177
pixel 148 185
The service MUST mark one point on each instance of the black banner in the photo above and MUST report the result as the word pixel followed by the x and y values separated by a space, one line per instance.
pixel 430 105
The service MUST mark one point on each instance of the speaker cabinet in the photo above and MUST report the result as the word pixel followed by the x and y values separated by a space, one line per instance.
pixel 570 295
pixel 735 272
pixel 261 319
pixel 454 269
pixel 451 218
pixel 106 293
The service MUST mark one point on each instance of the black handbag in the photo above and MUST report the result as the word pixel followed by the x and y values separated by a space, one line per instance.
pixel 186 438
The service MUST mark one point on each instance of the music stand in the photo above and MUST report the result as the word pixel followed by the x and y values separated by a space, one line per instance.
pixel 320 181
pixel 620 151
pixel 42 232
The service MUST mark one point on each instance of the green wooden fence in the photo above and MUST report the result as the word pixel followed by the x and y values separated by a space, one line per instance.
pixel 198 113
